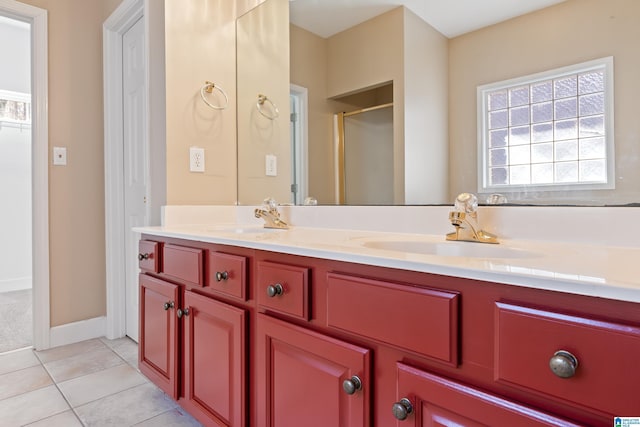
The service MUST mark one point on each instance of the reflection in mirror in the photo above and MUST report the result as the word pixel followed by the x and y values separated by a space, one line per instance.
pixel 435 79
pixel 369 66
pixel 264 153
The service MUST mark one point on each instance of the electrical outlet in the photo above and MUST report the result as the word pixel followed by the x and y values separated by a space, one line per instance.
pixel 271 165
pixel 196 159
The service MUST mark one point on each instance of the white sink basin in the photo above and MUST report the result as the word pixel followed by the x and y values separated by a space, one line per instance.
pixel 457 249
pixel 243 229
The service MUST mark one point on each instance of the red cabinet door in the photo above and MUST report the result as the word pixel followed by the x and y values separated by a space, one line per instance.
pixel 214 361
pixel 300 378
pixel 158 338
pixel 425 400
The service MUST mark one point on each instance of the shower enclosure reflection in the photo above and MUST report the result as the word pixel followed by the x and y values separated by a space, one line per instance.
pixel 365 150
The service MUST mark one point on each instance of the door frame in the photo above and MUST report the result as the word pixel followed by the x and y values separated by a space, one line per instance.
pixel 301 150
pixel 39 164
pixel 114 29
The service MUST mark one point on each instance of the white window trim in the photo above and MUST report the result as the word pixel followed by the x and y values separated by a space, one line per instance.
pixel 607 62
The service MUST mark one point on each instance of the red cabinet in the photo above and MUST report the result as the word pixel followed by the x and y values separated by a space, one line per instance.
pixel 214 360
pixel 309 379
pixel 245 337
pixel 596 361
pixel 191 345
pixel 424 399
pixel 158 345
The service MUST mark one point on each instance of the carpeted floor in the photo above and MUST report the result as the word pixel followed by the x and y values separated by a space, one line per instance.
pixel 16 324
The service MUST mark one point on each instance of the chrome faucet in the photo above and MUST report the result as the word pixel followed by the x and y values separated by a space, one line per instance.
pixel 269 212
pixel 464 218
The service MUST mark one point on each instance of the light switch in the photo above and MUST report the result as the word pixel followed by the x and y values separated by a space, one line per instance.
pixel 60 156
pixel 271 165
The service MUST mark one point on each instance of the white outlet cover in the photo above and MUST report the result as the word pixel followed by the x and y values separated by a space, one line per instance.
pixel 196 159
pixel 60 156
pixel 271 165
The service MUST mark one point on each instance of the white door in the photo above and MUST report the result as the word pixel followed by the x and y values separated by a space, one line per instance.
pixel 135 163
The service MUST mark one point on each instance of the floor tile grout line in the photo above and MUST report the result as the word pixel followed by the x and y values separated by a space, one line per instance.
pixel 56 383
pixel 59 391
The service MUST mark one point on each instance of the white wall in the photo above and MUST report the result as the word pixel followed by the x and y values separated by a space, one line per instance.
pixel 15 216
pixel 15 164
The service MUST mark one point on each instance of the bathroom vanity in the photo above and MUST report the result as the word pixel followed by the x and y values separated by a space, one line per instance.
pixel 245 326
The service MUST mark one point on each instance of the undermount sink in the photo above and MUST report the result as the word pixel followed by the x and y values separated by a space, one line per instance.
pixel 243 229
pixel 453 249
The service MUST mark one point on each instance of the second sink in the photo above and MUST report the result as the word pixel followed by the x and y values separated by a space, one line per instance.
pixel 459 249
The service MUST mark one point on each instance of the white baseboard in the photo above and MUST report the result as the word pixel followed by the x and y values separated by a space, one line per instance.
pixel 16 284
pixel 78 331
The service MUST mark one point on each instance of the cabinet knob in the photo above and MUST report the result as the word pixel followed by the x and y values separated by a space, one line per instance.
pixel 143 256
pixel 352 385
pixel 402 409
pixel 184 312
pixel 275 290
pixel 220 276
pixel 563 364
pixel 168 305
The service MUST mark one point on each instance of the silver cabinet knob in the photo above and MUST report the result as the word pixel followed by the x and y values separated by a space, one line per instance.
pixel 563 364
pixel 275 290
pixel 402 409
pixel 220 276
pixel 352 385
pixel 168 305
pixel 143 256
pixel 184 312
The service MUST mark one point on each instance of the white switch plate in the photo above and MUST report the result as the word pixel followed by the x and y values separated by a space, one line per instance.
pixel 196 159
pixel 60 156
pixel 271 165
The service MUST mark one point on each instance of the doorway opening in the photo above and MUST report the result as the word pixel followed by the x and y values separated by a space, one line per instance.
pixel 24 184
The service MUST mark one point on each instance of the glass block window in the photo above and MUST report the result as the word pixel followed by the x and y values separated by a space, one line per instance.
pixel 552 130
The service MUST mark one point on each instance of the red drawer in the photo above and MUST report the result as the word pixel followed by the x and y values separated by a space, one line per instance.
pixel 606 377
pixel 424 321
pixel 148 255
pixel 283 289
pixel 228 274
pixel 183 263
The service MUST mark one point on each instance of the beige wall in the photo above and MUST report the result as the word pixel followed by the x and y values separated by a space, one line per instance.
pixel 200 46
pixel 76 191
pixel 571 32
pixel 426 141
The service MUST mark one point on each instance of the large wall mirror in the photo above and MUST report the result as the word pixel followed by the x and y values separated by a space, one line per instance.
pixel 411 91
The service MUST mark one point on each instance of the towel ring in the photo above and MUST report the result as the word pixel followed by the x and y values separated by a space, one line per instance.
pixel 208 88
pixel 261 100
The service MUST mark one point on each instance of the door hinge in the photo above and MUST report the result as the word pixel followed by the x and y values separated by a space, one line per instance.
pixel 294 188
pixel 294 117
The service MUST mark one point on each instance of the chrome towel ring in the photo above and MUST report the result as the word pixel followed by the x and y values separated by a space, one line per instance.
pixel 261 100
pixel 208 88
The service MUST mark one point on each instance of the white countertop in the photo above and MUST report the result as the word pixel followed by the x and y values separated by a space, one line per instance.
pixel 577 268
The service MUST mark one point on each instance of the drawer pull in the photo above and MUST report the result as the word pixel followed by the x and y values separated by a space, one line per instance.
pixel 168 305
pixel 220 276
pixel 184 312
pixel 275 290
pixel 352 385
pixel 143 256
pixel 402 409
pixel 563 364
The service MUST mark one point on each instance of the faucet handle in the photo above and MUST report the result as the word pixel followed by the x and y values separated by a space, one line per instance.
pixel 270 203
pixel 466 202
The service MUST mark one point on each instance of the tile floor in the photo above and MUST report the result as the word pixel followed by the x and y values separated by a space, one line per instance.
pixel 92 383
